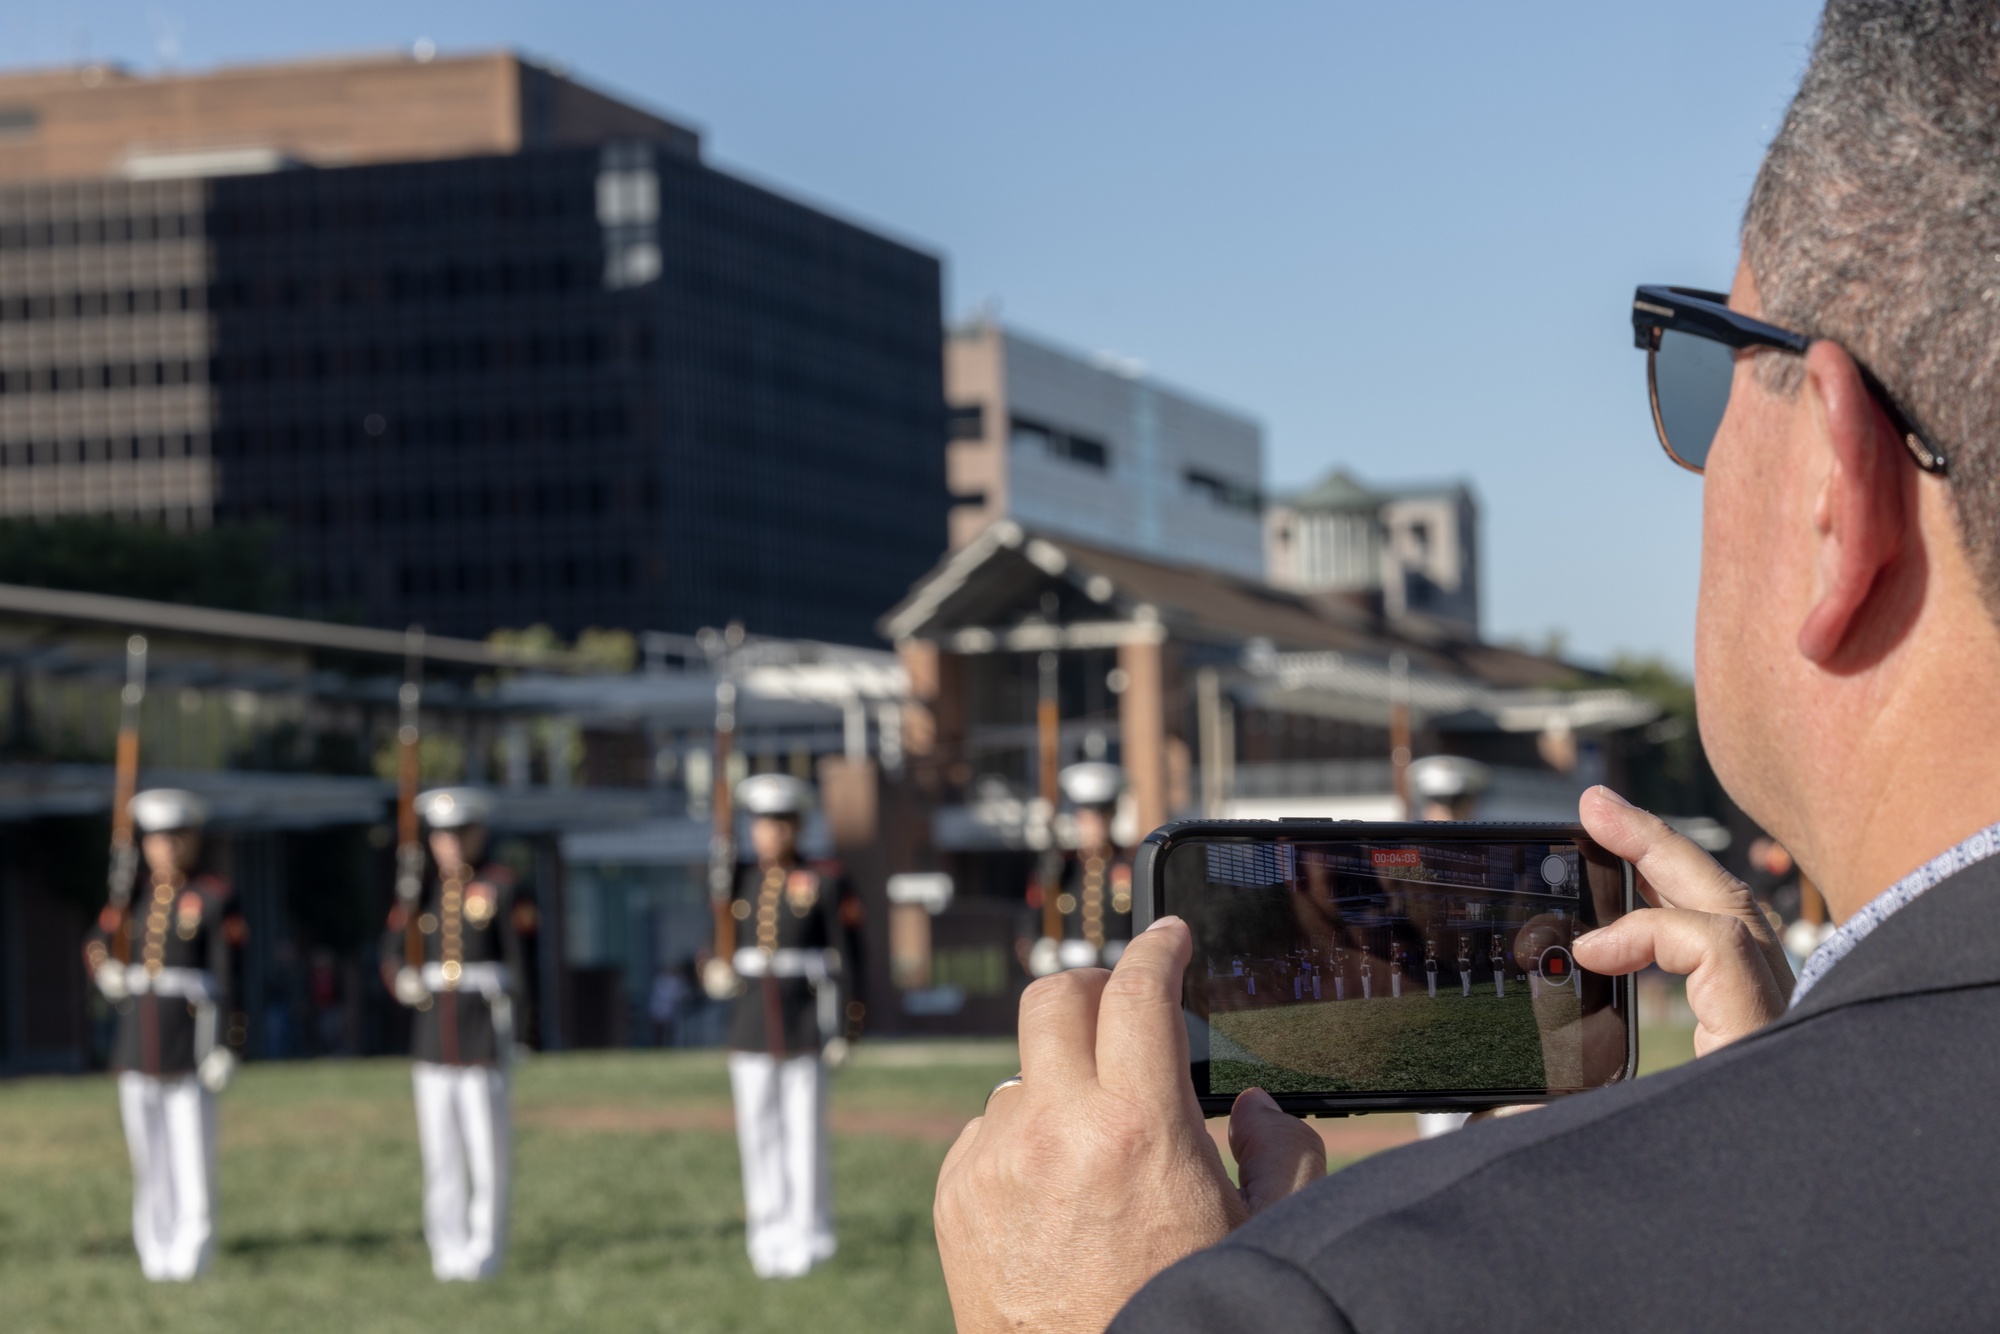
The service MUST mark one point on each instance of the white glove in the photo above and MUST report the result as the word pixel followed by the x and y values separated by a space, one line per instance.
pixel 410 988
pixel 719 980
pixel 110 979
pixel 835 1052
pixel 217 1069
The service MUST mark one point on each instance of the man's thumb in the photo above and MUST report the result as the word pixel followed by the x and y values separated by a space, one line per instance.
pixel 1276 1153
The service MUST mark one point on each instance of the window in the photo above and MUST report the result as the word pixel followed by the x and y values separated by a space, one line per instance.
pixel 1060 444
pixel 1222 491
pixel 968 423
pixel 19 120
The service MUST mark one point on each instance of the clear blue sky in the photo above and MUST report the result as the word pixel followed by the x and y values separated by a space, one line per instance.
pixel 1404 237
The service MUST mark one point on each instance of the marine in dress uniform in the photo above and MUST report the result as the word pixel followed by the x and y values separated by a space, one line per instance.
pixel 172 968
pixel 1093 904
pixel 1447 787
pixel 792 974
pixel 461 967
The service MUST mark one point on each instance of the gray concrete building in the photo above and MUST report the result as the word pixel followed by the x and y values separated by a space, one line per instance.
pixel 1098 450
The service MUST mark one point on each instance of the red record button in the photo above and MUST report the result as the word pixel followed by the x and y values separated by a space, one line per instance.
pixel 1556 966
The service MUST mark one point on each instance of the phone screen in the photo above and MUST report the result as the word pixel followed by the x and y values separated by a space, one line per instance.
pixel 1397 963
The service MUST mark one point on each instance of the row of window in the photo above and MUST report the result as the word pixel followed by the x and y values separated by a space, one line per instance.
pixel 45 453
pixel 118 375
pixel 25 309
pixel 1070 446
pixel 562 422
pixel 1222 491
pixel 471 578
pixel 553 498
pixel 969 423
pixel 568 573
pixel 508 279
pixel 432 357
pixel 386 207
pixel 357 213
pixel 502 278
pixel 56 233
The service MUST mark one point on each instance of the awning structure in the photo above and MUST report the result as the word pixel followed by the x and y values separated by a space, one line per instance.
pixel 248 801
pixel 1362 689
pixel 1198 648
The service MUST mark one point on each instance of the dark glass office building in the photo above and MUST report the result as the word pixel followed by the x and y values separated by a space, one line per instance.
pixel 602 385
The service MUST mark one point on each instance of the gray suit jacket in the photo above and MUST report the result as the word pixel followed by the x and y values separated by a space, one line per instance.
pixel 1839 1170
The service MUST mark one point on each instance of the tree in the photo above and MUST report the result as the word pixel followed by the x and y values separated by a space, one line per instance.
pixel 228 567
pixel 1670 773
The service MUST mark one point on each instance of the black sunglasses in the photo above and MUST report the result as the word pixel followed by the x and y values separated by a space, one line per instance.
pixel 1690 338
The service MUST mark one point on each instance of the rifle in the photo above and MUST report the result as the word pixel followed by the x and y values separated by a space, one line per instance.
pixel 409 838
pixel 722 841
pixel 124 852
pixel 1048 745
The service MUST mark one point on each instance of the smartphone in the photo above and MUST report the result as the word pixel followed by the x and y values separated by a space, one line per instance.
pixel 1344 966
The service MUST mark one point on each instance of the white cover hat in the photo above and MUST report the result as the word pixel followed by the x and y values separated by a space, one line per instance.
pixel 774 794
pixel 454 807
pixel 1093 783
pixel 161 810
pixel 1444 777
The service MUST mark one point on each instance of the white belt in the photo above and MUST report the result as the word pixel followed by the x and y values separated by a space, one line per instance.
pixel 813 965
pixel 488 979
pixel 195 984
pixel 1076 954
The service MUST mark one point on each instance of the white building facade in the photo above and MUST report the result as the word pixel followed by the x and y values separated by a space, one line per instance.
pixel 1414 547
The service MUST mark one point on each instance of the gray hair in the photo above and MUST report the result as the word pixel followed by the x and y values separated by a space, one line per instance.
pixel 1875 222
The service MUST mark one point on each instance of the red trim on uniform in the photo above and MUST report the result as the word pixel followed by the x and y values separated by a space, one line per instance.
pixel 448 1027
pixel 149 1034
pixel 774 1019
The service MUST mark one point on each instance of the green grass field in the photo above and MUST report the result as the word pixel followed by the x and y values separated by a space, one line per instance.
pixel 627 1206
pixel 627 1209
pixel 1411 1042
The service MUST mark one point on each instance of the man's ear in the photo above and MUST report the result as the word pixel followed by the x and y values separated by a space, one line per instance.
pixel 1861 512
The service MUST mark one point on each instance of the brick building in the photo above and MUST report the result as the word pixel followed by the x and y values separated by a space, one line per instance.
pixel 484 347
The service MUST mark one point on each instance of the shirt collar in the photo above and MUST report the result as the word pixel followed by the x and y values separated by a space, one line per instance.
pixel 1984 844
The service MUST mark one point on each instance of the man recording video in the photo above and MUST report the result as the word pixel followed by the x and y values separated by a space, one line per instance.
pixel 1824 1165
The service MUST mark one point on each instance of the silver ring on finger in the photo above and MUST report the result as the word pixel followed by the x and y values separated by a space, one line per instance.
pixel 1010 1082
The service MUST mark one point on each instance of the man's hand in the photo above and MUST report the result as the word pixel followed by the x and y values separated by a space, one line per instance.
pixel 1703 924
pixel 1095 1172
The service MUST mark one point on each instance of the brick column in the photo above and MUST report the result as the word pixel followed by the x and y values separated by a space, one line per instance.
pixel 1142 724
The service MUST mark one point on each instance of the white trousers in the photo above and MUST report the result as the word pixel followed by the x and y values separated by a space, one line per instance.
pixel 464 1131
pixel 170 1133
pixel 787 1179
pixel 1432 1124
